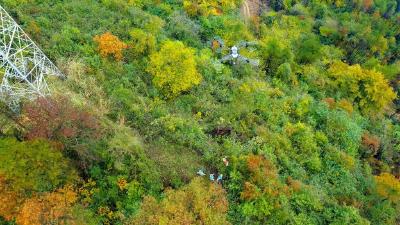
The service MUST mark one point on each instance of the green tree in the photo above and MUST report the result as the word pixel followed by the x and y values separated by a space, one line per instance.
pixel 275 54
pixel 143 43
pixel 34 165
pixel 304 144
pixel 308 49
pixel 182 28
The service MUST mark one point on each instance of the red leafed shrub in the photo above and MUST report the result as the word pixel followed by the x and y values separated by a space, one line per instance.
pixel 260 167
pixel 370 143
pixel 331 102
pixel 249 191
pixel 57 119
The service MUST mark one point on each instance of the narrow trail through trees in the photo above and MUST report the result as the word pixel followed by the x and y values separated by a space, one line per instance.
pixel 251 8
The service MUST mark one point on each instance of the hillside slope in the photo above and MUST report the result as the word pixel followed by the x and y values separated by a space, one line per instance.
pixel 309 136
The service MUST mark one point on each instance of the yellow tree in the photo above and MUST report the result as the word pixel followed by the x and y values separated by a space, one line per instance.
pixel 208 7
pixel 368 88
pixel 201 202
pixel 110 45
pixel 388 187
pixel 174 68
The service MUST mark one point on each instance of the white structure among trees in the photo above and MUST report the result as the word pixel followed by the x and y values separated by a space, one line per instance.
pixel 23 66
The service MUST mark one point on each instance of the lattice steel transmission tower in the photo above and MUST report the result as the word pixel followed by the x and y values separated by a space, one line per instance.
pixel 23 66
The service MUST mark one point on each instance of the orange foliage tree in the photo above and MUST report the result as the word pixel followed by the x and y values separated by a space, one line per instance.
pixel 51 208
pixel 263 179
pixel 263 192
pixel 110 45
pixel 370 144
pixel 9 200
pixel 367 4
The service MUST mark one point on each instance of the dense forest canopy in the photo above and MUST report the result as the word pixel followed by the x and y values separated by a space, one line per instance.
pixel 149 112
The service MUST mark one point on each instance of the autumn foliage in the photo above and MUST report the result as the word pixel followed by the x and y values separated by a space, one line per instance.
pixel 57 119
pixel 388 187
pixel 263 179
pixel 110 45
pixel 47 208
pixel 200 202
pixel 152 99
pixel 50 208
pixel 331 102
pixel 67 126
pixel 343 104
pixel 208 7
pixel 174 68
pixel 9 200
pixel 370 143
pixel 263 190
pixel 368 88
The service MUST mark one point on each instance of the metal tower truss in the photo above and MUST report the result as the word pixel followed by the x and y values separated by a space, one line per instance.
pixel 23 66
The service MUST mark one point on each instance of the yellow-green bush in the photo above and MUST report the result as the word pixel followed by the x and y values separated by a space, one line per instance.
pixel 174 68
pixel 368 88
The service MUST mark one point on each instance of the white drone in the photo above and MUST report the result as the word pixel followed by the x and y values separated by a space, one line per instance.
pixel 234 57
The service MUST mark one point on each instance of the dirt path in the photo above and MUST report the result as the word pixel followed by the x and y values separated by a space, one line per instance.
pixel 251 8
